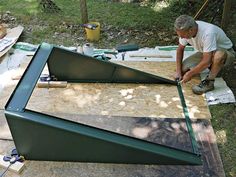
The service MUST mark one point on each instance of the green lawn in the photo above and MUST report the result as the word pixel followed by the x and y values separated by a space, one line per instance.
pixel 55 27
pixel 224 124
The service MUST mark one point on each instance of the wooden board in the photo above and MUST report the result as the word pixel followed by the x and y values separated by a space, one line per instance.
pixel 137 100
pixel 12 33
pixel 197 104
pixel 162 69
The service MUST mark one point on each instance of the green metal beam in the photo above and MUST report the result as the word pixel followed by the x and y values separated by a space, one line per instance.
pixel 21 95
pixel 187 119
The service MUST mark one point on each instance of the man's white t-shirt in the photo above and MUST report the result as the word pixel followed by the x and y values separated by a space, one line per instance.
pixel 209 38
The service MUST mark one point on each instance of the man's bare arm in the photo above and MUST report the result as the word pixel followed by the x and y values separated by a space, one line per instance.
pixel 179 58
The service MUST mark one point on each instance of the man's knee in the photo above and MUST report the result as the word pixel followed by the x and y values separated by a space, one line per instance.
pixel 230 58
pixel 219 57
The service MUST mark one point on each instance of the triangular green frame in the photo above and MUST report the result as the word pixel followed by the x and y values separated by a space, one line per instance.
pixel 43 137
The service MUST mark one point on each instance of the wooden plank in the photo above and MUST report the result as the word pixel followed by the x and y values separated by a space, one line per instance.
pixel 12 33
pixel 52 84
pixel 3 31
pixel 151 55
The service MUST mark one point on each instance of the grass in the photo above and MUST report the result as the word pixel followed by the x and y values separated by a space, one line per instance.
pixel 117 15
pixel 140 24
pixel 224 123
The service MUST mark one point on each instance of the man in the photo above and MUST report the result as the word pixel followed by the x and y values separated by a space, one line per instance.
pixel 214 51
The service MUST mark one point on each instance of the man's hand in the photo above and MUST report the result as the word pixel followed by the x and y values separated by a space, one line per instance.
pixel 204 63
pixel 178 76
pixel 187 77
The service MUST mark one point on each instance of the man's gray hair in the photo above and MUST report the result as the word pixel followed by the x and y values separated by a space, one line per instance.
pixel 184 22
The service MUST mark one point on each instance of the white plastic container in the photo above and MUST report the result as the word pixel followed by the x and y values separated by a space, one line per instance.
pixel 88 49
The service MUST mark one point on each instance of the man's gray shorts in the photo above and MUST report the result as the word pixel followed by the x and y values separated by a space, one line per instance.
pixel 194 59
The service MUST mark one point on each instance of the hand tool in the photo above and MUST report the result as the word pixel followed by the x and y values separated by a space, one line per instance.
pixel 13 162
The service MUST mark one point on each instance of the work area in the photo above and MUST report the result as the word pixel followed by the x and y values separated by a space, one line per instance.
pixel 91 109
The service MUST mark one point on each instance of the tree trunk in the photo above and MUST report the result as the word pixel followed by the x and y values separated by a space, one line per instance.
pixel 226 13
pixel 84 13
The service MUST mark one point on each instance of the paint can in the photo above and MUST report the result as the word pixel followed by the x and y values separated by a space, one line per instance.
pixel 92 30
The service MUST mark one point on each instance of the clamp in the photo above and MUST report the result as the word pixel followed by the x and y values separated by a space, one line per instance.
pixel 13 158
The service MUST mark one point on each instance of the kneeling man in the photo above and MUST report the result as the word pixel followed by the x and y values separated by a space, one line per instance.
pixel 214 51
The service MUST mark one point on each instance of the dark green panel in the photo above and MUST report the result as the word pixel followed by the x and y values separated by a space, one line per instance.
pixel 56 139
pixel 74 67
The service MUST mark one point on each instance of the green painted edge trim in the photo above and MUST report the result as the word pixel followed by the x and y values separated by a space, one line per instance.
pixel 187 119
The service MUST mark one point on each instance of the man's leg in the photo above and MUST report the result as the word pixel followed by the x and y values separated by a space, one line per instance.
pixel 220 59
pixel 191 62
pixel 231 58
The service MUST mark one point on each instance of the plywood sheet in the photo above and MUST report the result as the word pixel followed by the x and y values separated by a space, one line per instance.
pixel 162 69
pixel 5 95
pixel 197 104
pixel 136 100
